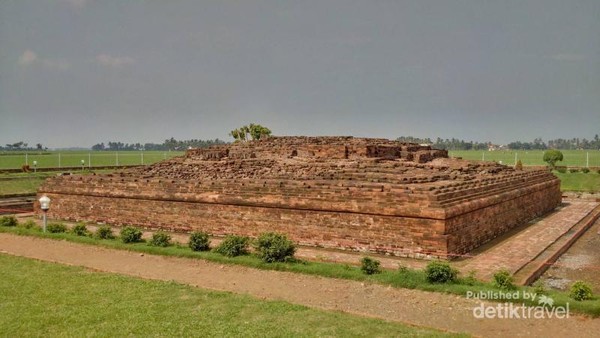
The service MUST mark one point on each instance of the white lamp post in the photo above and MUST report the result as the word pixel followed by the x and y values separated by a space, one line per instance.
pixel 82 164
pixel 45 205
pixel 35 166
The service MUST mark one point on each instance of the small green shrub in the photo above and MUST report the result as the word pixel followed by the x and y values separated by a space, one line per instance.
pixel 56 228
pixel 104 232
pixel 131 234
pixel 585 170
pixel 573 170
pixel 160 239
pixel 470 279
pixel 440 272
pixel 233 246
pixel 29 224
pixel 199 241
pixel 80 229
pixel 273 247
pixel 598 171
pixel 370 266
pixel 503 280
pixel 561 170
pixel 539 288
pixel 402 268
pixel 580 291
pixel 8 221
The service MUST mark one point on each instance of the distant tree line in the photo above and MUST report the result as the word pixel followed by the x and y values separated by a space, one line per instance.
pixel 168 144
pixel 448 144
pixel 19 146
pixel 536 144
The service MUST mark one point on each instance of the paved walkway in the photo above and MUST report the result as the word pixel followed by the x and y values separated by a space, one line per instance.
pixel 514 252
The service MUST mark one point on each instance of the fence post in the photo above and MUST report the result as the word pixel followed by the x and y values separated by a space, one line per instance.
pixel 26 159
pixel 142 154
pixel 587 159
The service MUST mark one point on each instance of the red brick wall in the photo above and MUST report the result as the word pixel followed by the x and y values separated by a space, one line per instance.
pixel 353 231
pixel 498 214
pixel 365 217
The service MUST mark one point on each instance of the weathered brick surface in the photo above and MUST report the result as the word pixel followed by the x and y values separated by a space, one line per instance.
pixel 357 194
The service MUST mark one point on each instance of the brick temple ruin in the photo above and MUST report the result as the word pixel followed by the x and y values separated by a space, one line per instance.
pixel 360 194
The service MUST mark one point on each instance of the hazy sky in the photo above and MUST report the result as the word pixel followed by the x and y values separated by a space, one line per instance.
pixel 78 72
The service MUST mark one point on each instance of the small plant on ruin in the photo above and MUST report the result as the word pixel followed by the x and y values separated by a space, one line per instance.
pixel 56 228
pixel 80 229
pixel 29 224
pixel 519 165
pixel 273 247
pixel 580 291
pixel 8 221
pixel 233 246
pixel 573 170
pixel 562 170
pixel 160 239
pixel 370 266
pixel 104 232
pixel 199 241
pixel 503 279
pixel 440 272
pixel 131 234
pixel 585 170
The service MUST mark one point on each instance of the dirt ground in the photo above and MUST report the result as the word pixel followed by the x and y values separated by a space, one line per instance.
pixel 436 310
pixel 580 262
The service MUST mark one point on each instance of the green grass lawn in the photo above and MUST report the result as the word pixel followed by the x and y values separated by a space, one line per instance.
pixel 401 278
pixel 46 299
pixel 27 183
pixel 73 158
pixel 530 157
pixel 585 182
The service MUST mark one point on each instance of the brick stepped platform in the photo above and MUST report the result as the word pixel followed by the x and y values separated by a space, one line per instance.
pixel 530 252
pixel 357 194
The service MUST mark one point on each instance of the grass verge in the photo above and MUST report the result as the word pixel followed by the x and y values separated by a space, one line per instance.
pixel 584 182
pixel 402 278
pixel 57 300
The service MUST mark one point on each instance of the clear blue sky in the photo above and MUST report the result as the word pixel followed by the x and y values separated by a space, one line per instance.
pixel 78 72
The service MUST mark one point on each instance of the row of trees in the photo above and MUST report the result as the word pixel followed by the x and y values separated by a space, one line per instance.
pixel 22 146
pixel 168 144
pixel 536 144
pixel 448 144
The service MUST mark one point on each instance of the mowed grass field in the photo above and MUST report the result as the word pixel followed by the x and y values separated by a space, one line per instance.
pixel 579 181
pixel 47 299
pixel 91 158
pixel 577 158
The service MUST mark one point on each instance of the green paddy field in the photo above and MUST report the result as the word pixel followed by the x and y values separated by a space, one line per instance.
pixel 61 159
